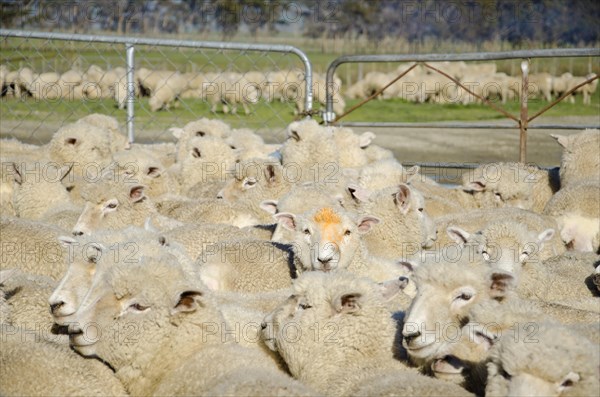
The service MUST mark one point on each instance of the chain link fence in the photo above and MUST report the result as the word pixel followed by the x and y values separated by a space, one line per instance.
pixel 148 85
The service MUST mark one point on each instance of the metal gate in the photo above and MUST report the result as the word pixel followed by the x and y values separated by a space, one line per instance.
pixel 266 80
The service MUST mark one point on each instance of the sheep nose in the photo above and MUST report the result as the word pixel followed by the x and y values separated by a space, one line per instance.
pixel 410 337
pixel 263 325
pixel 77 233
pixel 55 306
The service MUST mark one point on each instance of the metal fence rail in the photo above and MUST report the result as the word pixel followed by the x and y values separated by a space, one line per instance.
pixel 48 52
pixel 522 121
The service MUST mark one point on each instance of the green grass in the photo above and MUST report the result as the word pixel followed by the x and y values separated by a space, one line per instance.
pixel 401 111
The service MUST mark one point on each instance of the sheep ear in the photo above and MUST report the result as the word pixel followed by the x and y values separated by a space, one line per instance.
pixel 187 302
pixel 287 220
pixel 177 132
pixel 408 265
pixel 358 193
pixel 402 198
pixel 270 175
pixel 153 172
pixel 475 186
pixel 458 235
pixel 269 206
pixel 366 223
pixel 348 303
pixel 391 288
pixel 561 139
pixel 500 285
pixel 412 172
pixel 365 139
pixel 545 235
pixel 136 194
pixel 16 174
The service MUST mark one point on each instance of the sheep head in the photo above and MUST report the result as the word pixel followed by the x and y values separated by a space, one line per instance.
pixel 325 239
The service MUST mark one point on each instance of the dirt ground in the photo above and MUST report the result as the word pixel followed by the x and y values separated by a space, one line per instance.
pixel 410 145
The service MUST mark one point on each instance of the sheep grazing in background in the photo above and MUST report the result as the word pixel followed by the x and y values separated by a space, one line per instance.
pixel 167 92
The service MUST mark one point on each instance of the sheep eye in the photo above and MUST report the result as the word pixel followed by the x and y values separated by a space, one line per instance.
pixel 304 306
pixel 196 153
pixel 485 255
pixel 200 133
pixel 112 206
pixel 498 196
pixel 307 232
pixel 294 135
pixel 347 233
pixel 420 209
pixel 138 307
pixel 250 182
pixel 464 297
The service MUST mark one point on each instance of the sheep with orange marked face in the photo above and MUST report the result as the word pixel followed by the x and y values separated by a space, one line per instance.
pixel 328 239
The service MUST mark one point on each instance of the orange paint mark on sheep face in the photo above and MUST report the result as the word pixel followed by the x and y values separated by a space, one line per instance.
pixel 327 215
pixel 330 225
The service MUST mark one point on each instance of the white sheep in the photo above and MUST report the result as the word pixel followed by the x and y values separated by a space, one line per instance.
pixel 39 194
pixel 352 147
pixel 330 238
pixel 231 89
pixel 576 209
pixel 511 184
pixel 404 224
pixel 475 220
pixel 25 306
pixel 42 368
pixel 506 245
pixel 198 128
pixel 88 255
pixel 446 289
pixel 208 163
pixel 298 200
pixel 141 165
pixel 32 246
pixel 310 151
pixel 117 139
pixel 171 310
pixel 167 92
pixel 208 210
pixel 115 203
pixel 246 265
pixel 257 180
pixel 560 362
pixel 580 157
pixel 335 333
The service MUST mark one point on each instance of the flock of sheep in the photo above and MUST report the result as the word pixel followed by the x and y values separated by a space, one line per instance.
pixel 231 89
pixel 165 87
pixel 422 84
pixel 221 265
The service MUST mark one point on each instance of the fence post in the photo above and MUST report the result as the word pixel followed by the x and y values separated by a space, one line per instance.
pixel 130 92
pixel 523 119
